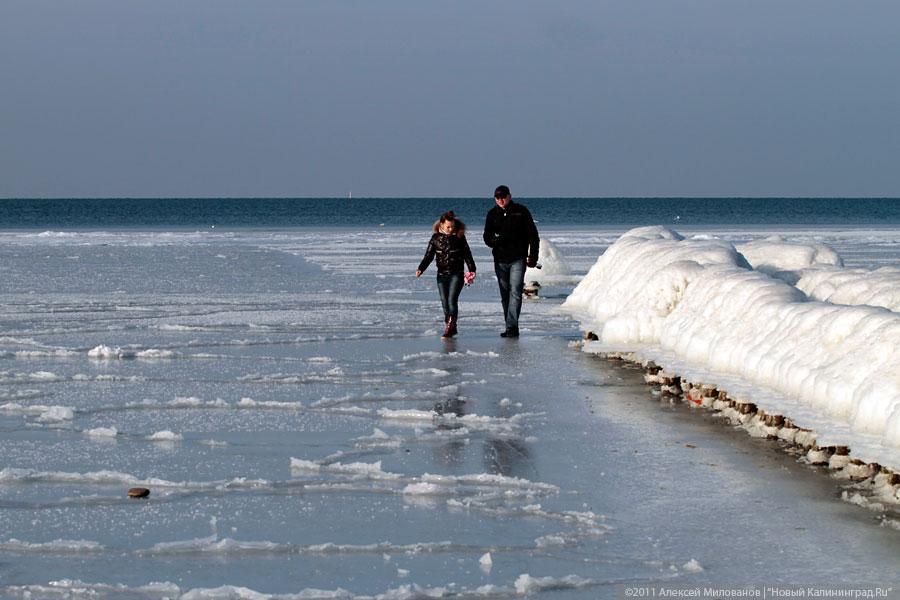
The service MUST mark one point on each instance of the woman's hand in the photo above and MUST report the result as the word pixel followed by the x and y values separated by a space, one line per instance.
pixel 418 273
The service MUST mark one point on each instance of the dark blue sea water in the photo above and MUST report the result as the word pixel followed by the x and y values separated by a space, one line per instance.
pixel 332 212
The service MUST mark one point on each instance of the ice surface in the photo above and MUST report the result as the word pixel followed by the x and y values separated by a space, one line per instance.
pixel 294 388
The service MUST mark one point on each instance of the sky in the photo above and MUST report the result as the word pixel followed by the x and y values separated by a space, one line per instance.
pixel 410 98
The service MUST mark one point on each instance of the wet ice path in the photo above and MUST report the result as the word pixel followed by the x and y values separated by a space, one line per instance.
pixel 285 422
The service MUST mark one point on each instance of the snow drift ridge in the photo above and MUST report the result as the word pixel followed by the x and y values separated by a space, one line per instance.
pixel 700 300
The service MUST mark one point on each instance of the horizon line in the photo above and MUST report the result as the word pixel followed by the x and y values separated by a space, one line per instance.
pixel 486 197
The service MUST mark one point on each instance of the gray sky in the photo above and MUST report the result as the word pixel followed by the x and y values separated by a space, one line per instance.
pixel 433 98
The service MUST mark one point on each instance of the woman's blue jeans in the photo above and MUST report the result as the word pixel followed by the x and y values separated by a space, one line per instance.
pixel 449 287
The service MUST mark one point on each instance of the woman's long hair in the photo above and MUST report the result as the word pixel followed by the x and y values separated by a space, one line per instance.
pixel 459 228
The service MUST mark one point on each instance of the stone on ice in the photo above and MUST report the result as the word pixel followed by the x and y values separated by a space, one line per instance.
pixel 138 492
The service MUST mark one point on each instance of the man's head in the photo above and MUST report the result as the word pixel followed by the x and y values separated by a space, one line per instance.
pixel 502 196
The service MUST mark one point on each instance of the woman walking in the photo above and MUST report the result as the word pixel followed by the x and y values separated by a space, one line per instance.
pixel 448 243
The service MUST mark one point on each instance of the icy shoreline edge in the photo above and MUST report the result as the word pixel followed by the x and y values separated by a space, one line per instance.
pixel 881 483
pixel 758 320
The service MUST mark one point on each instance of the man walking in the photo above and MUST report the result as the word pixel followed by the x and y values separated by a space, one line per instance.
pixel 511 234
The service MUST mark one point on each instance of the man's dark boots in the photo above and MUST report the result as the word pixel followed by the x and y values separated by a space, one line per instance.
pixel 511 332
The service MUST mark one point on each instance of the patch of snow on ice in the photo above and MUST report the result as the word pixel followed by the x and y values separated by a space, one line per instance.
pixel 692 566
pixel 251 403
pixel 154 354
pixel 213 443
pixel 299 464
pixel 405 415
pixel 36 377
pixel 109 432
pixel 526 584
pixel 45 414
pixel 367 470
pixel 55 414
pixel 186 401
pixel 58 353
pixel 73 588
pixel 54 547
pixel 164 436
pixel 105 352
pixel 490 480
pixel 431 371
pixel 422 489
pixel 550 541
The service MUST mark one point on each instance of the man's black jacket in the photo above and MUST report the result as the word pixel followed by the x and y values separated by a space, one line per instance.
pixel 511 234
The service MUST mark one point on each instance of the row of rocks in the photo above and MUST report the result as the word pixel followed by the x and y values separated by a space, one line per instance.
pixel 877 480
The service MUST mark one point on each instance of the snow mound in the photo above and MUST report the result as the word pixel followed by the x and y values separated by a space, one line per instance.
pixel 636 284
pixel 553 264
pixel 699 302
pixel 880 287
pixel 783 259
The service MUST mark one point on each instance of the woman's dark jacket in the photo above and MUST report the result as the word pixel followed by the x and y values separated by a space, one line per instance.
pixel 451 252
pixel 511 233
